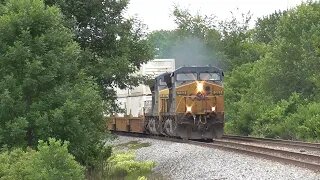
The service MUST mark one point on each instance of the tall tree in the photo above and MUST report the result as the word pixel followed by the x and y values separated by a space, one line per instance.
pixel 295 53
pixel 114 47
pixel 43 90
pixel 196 40
pixel 205 40
pixel 163 41
pixel 281 98
pixel 266 27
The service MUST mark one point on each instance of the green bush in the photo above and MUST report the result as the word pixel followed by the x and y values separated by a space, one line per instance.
pixel 44 90
pixel 271 123
pixel 50 162
pixel 124 166
pixel 305 122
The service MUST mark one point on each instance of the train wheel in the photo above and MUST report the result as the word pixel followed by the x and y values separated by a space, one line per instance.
pixel 170 127
pixel 146 126
pixel 152 126
pixel 162 128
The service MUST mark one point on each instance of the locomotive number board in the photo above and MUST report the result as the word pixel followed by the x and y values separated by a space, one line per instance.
pixel 181 92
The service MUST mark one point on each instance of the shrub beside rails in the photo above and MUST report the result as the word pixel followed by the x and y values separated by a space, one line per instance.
pixel 186 103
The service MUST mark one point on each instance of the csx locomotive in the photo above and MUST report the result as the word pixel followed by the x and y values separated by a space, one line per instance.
pixel 186 103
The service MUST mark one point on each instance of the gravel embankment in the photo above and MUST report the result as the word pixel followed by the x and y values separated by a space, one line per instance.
pixel 183 161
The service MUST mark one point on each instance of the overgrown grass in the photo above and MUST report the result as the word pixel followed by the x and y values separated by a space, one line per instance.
pixel 124 166
pixel 133 145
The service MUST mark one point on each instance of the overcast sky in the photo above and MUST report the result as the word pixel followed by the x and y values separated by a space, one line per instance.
pixel 157 14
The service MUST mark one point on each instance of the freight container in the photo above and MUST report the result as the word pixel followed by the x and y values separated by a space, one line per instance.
pixel 135 105
pixel 152 68
pixel 138 100
pixel 122 92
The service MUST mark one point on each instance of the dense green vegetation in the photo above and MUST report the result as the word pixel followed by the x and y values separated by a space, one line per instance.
pixel 44 91
pixel 113 47
pixel 124 166
pixel 272 81
pixel 59 61
pixel 51 161
pixel 281 96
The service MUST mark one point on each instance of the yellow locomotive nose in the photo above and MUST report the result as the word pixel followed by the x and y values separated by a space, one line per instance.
pixel 199 86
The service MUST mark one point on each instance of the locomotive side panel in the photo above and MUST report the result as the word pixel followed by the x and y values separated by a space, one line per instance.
pixel 220 106
pixel 163 101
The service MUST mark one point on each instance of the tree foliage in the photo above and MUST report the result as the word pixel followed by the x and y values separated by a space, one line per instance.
pixel 124 165
pixel 206 40
pixel 194 39
pixel 114 47
pixel 51 161
pixel 266 27
pixel 44 91
pixel 285 82
pixel 163 41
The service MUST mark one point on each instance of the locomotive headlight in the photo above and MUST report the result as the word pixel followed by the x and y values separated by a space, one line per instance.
pixel 189 109
pixel 199 86
pixel 213 108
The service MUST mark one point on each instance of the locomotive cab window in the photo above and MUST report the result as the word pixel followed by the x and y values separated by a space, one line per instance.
pixel 187 77
pixel 210 76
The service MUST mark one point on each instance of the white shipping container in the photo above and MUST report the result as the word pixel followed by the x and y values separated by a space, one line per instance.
pixel 138 100
pixel 135 106
pixel 152 68
pixel 122 92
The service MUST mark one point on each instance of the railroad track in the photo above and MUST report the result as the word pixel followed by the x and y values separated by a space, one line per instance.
pixel 303 160
pixel 303 146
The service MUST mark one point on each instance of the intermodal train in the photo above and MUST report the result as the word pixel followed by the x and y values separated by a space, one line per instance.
pixel 186 103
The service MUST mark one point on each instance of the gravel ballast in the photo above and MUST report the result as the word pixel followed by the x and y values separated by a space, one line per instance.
pixel 184 161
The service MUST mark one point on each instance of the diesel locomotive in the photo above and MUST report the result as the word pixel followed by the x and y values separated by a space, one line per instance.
pixel 186 103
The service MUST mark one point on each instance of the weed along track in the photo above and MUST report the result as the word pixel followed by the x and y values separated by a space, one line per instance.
pixel 123 163
pixel 133 145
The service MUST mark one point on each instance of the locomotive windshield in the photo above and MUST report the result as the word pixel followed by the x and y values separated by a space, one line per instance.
pixel 210 77
pixel 187 77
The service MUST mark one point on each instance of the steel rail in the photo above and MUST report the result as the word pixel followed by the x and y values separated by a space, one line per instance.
pixel 278 142
pixel 262 154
